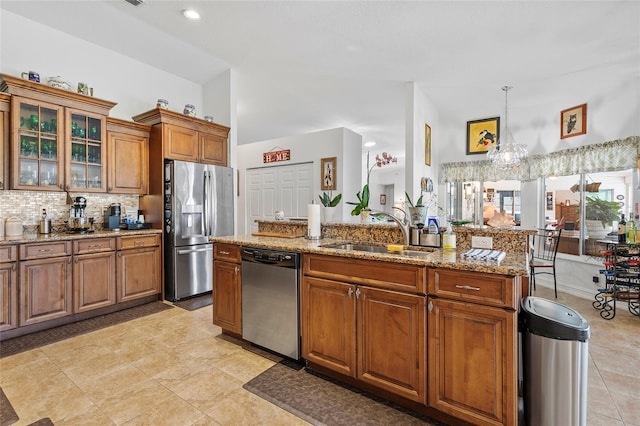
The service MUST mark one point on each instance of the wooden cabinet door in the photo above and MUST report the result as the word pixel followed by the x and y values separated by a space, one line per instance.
pixel 8 296
pixel 213 149
pixel 37 145
pixel 94 281
pixel 227 296
pixel 180 143
pixel 128 163
pixel 86 151
pixel 4 139
pixel 138 273
pixel 472 368
pixel 391 342
pixel 45 289
pixel 329 324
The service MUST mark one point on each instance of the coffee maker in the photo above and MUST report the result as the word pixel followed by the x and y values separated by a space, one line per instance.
pixel 112 216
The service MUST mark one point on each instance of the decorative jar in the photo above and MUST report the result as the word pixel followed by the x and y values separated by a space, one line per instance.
pixel 189 110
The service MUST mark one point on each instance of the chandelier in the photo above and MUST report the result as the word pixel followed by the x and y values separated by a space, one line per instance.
pixel 506 155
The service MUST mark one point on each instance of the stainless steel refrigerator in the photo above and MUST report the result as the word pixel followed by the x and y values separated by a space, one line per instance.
pixel 198 204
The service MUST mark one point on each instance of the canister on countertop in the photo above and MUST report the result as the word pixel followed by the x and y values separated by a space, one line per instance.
pixel 13 227
pixel 44 227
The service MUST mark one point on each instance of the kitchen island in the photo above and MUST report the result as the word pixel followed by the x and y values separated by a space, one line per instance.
pixel 54 279
pixel 427 329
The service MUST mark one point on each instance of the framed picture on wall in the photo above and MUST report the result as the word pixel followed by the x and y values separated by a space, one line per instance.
pixel 328 174
pixel 573 121
pixel 549 200
pixel 427 145
pixel 383 199
pixel 482 134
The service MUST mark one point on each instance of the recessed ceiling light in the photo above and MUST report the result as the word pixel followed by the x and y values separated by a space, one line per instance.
pixel 369 144
pixel 191 14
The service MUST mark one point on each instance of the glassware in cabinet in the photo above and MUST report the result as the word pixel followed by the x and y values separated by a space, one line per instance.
pixel 36 147
pixel 86 152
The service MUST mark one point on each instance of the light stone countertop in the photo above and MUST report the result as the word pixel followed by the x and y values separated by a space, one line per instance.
pixel 514 264
pixel 63 236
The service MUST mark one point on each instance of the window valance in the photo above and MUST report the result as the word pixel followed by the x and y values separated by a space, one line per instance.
pixel 620 154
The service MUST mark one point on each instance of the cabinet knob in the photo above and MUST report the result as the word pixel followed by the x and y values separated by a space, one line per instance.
pixel 430 306
pixel 235 269
pixel 358 293
pixel 350 292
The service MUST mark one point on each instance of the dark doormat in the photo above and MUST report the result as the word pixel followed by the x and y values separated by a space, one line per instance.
pixel 8 415
pixel 45 337
pixel 194 303
pixel 320 400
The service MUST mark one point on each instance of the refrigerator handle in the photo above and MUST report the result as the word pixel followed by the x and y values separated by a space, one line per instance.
pixel 206 195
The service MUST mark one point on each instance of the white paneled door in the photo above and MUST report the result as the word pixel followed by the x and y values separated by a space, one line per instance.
pixel 288 188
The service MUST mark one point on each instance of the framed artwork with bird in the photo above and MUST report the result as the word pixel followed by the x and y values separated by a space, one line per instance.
pixel 573 121
pixel 482 135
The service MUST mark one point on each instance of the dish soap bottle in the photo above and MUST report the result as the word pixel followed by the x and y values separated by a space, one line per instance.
pixel 449 239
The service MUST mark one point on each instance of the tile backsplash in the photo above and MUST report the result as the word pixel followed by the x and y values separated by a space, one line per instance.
pixel 29 204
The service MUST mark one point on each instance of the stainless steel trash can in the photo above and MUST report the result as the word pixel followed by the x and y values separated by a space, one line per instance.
pixel 555 355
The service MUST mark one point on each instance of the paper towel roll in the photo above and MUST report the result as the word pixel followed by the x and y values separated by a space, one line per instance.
pixel 313 221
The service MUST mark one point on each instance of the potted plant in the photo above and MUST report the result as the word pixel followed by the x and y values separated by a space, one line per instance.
pixel 329 204
pixel 362 206
pixel 599 216
pixel 417 211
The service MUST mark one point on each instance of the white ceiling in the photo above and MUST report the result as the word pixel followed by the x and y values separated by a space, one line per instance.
pixel 304 66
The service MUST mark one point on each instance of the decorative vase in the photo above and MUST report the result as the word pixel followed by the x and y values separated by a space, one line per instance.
pixel 596 230
pixel 365 216
pixel 418 215
pixel 330 214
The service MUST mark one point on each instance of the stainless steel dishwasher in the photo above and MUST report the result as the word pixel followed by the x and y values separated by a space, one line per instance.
pixel 270 300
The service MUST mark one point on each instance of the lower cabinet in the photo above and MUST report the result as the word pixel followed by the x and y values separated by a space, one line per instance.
pixel 94 274
pixel 8 288
pixel 374 335
pixel 472 351
pixel 45 282
pixel 227 287
pixel 139 267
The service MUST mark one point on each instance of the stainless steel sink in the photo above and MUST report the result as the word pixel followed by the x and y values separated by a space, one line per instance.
pixel 375 249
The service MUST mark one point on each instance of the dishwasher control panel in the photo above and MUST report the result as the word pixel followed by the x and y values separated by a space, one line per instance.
pixel 272 257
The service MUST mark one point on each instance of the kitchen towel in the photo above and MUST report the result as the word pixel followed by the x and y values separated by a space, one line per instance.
pixel 313 221
pixel 488 255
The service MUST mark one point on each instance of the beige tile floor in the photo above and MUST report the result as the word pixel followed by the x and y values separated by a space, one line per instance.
pixel 171 369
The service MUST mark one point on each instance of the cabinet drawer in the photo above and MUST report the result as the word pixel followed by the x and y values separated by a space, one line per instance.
pixel 94 245
pixel 227 252
pixel 393 276
pixel 37 251
pixel 8 254
pixel 478 287
pixel 137 241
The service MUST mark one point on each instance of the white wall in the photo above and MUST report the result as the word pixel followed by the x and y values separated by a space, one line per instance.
pixel 341 143
pixel 135 86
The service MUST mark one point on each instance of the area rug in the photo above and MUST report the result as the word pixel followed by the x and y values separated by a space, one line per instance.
pixel 195 303
pixel 45 337
pixel 322 401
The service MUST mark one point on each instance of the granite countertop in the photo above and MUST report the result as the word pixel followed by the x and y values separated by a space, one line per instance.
pixel 513 264
pixel 63 236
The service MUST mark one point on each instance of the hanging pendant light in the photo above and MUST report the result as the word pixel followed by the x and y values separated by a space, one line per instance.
pixel 506 155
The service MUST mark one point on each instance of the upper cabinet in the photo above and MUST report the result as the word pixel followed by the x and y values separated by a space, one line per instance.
pixel 5 108
pixel 57 139
pixel 181 137
pixel 128 157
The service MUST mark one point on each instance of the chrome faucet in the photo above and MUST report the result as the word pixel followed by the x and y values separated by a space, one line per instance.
pixel 403 224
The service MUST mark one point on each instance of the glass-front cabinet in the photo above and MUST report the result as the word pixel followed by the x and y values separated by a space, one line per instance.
pixel 86 152
pixel 58 138
pixel 37 154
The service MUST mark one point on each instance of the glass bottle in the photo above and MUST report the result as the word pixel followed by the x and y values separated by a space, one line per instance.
pixel 631 230
pixel 449 239
pixel 622 230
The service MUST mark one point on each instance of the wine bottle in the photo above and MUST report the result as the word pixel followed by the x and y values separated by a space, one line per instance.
pixel 622 230
pixel 631 230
